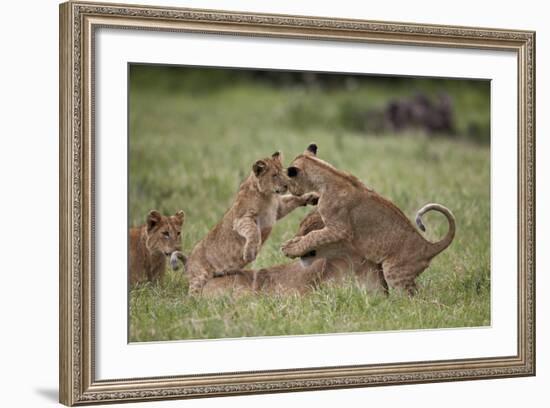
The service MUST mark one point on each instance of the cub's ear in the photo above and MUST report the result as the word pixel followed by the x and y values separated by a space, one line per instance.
pixel 277 156
pixel 153 219
pixel 180 217
pixel 292 171
pixel 259 167
pixel 311 149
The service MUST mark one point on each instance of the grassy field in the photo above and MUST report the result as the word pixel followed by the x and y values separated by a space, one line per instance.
pixel 190 146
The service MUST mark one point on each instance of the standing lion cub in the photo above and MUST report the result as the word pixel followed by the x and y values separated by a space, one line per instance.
pixel 236 240
pixel 357 215
pixel 152 243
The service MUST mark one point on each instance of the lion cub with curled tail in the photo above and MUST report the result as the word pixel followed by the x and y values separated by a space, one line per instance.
pixel 236 240
pixel 151 244
pixel 357 215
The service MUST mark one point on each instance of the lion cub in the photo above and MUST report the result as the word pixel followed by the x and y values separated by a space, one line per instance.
pixel 292 278
pixel 236 240
pixel 331 263
pixel 342 260
pixel 151 244
pixel 355 214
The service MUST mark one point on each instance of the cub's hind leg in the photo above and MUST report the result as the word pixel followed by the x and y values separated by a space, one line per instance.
pixel 402 276
pixel 375 282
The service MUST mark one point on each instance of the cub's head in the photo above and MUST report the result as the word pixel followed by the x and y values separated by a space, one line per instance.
pixel 270 174
pixel 164 233
pixel 313 222
pixel 302 170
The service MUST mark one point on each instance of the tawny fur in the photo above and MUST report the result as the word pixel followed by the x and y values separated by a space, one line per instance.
pixel 371 224
pixel 151 244
pixel 333 263
pixel 342 259
pixel 280 279
pixel 236 240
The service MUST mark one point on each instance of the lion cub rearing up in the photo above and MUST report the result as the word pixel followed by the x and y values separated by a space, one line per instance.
pixel 236 240
pixel 357 215
pixel 152 243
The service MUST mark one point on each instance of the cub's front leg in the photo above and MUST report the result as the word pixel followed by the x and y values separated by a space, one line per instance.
pixel 249 230
pixel 288 203
pixel 298 246
pixel 337 228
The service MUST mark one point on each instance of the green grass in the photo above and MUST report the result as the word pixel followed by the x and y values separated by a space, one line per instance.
pixel 189 150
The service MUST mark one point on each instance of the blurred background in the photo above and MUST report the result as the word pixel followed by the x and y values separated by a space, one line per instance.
pixel 195 132
pixel 359 103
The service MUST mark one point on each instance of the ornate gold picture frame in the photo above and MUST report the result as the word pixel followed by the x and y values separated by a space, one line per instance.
pixel 78 24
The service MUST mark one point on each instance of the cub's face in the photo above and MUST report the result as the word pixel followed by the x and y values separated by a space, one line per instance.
pixel 164 233
pixel 301 172
pixel 270 175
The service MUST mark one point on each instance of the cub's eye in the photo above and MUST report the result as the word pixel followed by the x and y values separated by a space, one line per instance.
pixel 166 234
pixel 292 171
pixel 178 234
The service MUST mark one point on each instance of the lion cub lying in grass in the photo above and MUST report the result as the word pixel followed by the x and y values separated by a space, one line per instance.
pixel 236 240
pixel 151 244
pixel 358 216
pixel 330 263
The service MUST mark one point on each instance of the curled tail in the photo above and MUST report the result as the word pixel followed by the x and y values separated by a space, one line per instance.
pixel 439 246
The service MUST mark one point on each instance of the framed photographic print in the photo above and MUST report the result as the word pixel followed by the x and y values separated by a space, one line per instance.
pixel 258 203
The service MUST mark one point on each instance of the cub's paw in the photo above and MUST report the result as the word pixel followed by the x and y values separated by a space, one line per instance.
pixel 250 252
pixel 292 248
pixel 310 198
pixel 175 257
